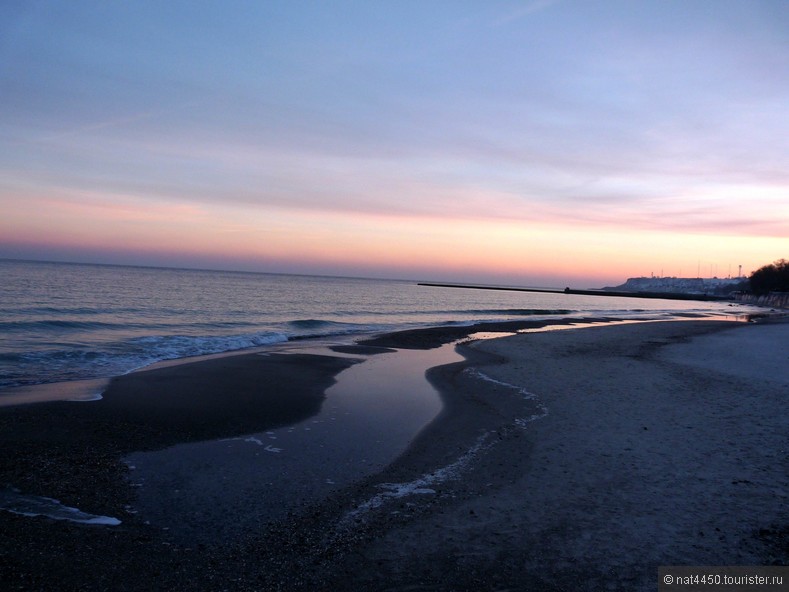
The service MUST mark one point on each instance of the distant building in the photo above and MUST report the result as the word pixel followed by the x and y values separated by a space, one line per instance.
pixel 679 285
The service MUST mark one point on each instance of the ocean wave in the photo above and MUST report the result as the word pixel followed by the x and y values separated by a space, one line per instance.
pixel 73 362
pixel 180 346
pixel 519 312
pixel 63 325
pixel 460 311
pixel 310 323
pixel 302 328
pixel 46 324
pixel 67 310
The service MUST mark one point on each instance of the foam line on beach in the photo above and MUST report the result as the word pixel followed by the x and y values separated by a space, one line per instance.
pixel 88 398
pixel 425 484
pixel 521 422
pixel 256 441
pixel 420 486
pixel 12 500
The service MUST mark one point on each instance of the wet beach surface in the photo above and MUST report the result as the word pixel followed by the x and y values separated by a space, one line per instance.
pixel 545 469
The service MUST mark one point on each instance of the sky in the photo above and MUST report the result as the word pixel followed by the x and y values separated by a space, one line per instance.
pixel 535 143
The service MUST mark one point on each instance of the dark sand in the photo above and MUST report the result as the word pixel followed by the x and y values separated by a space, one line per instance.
pixel 72 451
pixel 581 460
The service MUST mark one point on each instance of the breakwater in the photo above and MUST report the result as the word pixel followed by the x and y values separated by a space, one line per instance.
pixel 773 299
pixel 606 292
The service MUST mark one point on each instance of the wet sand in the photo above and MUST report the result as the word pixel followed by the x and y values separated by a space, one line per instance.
pixel 221 489
pixel 74 451
pixel 645 445
pixel 566 460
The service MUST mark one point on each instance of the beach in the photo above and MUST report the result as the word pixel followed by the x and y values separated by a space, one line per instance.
pixel 577 459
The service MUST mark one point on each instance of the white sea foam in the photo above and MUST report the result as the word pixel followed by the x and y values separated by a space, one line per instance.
pixel 255 441
pixel 11 500
pixel 424 485
pixel 420 486
pixel 87 399
pixel 522 422
pixel 146 350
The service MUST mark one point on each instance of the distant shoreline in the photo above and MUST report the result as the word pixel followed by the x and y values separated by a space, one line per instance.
pixel 650 295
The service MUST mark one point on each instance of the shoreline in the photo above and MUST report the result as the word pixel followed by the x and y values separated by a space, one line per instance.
pixel 441 515
pixel 91 388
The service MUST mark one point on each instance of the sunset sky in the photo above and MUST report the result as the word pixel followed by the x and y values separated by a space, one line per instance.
pixel 540 142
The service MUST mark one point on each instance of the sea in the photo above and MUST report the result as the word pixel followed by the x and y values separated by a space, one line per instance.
pixel 67 328
pixel 67 322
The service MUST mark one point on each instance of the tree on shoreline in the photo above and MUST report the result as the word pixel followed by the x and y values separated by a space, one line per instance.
pixel 771 278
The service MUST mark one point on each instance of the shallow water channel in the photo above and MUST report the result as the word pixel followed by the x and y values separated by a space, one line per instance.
pixel 208 490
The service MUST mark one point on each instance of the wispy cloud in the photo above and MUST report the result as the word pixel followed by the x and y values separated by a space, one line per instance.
pixel 549 114
pixel 525 11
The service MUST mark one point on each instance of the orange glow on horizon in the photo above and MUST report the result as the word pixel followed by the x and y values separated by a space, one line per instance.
pixel 408 246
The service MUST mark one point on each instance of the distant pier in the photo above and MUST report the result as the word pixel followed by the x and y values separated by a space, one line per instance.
pixel 658 295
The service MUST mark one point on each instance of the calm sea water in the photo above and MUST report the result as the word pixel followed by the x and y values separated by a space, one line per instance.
pixel 62 322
